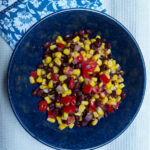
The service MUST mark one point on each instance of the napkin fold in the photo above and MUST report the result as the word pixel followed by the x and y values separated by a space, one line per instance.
pixel 17 18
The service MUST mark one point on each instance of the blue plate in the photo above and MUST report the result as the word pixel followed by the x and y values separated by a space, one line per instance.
pixel 28 53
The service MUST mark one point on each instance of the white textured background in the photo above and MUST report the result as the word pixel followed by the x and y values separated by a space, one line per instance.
pixel 135 15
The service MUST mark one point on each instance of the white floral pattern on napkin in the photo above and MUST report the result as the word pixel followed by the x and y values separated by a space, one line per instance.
pixel 17 19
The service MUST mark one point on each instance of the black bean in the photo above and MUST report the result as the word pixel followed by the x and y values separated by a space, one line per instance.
pixel 103 40
pixel 108 46
pixel 98 40
pixel 123 95
pixel 52 92
pixel 77 85
pixel 103 67
pixel 88 117
pixel 46 45
pixel 40 66
pixel 82 49
pixel 68 37
pixel 97 102
pixel 96 52
pixel 97 44
pixel 48 70
pixel 92 46
pixel 88 31
pixel 34 93
pixel 44 94
pixel 64 64
pixel 84 123
pixel 76 34
pixel 60 49
pixel 110 56
pixel 44 76
pixel 72 46
pixel 103 57
pixel 52 106
pixel 40 93
pixel 56 111
pixel 113 94
pixel 53 43
pixel 81 32
pixel 78 65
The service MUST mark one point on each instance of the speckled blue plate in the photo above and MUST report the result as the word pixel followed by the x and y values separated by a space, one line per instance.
pixel 28 53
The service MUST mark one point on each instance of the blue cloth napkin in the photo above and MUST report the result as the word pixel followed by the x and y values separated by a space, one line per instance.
pixel 16 19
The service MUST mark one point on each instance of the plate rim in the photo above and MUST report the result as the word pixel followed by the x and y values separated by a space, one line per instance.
pixel 36 24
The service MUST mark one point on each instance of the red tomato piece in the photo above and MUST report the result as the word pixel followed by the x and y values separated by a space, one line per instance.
pixel 43 106
pixel 89 65
pixel 110 109
pixel 51 115
pixel 92 106
pixel 80 58
pixel 69 109
pixel 117 105
pixel 104 78
pixel 68 100
pixel 55 76
pixel 61 45
pixel 33 74
pixel 87 89
pixel 71 119
pixel 68 70
pixel 95 90
pixel 72 83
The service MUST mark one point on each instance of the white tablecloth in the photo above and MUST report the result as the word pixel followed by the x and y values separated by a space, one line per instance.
pixel 135 15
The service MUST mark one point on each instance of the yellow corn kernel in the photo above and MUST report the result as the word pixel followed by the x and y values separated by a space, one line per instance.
pixel 118 91
pixel 62 126
pixel 63 42
pixel 76 71
pixel 115 77
pixel 66 51
pixel 52 120
pixel 58 104
pixel 49 76
pixel 99 62
pixel 74 76
pixel 121 85
pixel 81 108
pixel 64 94
pixel 39 80
pixel 87 42
pixel 59 39
pixel 55 69
pixel 97 69
pixel 43 72
pixel 93 40
pixel 76 39
pixel 103 46
pixel 100 111
pixel 69 92
pixel 118 98
pixel 58 54
pixel 81 44
pixel 96 96
pixel 52 47
pixel 109 91
pixel 88 55
pixel 95 114
pixel 59 120
pixel 68 45
pixel 92 83
pixel 96 57
pixel 87 47
pixel 48 59
pixel 70 60
pixel 94 122
pixel 62 78
pixel 109 63
pixel 71 125
pixel 85 35
pixel 104 100
pixel 50 84
pixel 43 87
pixel 65 116
pixel 98 37
pixel 91 51
pixel 51 64
pixel 39 72
pixel 48 100
pixel 108 51
pixel 105 62
pixel 120 80
pixel 75 54
pixel 57 61
pixel 83 53
pixel 108 85
pixel 32 80
pixel 92 99
pixel 102 94
pixel 113 62
pixel 112 101
pixel 78 114
pixel 84 102
pixel 65 88
pixel 100 84
pixel 94 79
pixel 44 81
pixel 81 79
